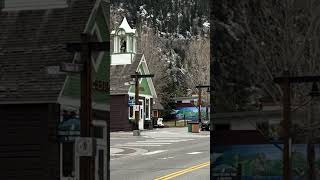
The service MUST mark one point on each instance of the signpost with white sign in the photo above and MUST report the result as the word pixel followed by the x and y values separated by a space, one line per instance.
pixel 85 146
pixel 71 67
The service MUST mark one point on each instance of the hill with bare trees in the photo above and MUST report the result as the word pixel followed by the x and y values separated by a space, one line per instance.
pixel 174 37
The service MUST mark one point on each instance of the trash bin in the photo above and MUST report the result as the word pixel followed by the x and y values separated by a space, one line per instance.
pixel 195 127
pixel 189 127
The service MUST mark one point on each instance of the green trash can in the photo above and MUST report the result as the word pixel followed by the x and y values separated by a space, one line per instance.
pixel 189 127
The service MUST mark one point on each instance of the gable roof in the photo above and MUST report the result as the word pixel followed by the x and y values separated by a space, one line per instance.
pixel 121 74
pixel 32 40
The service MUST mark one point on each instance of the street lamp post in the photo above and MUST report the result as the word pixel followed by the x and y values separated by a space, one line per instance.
pixel 199 87
pixel 285 81
pixel 85 47
pixel 138 76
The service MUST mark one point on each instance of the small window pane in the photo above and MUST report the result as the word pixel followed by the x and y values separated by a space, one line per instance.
pixel 98 132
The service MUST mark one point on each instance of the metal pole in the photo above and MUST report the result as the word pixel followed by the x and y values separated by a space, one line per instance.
pixel 137 113
pixel 286 128
pixel 86 164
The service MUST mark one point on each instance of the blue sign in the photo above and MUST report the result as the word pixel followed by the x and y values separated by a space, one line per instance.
pixel 131 102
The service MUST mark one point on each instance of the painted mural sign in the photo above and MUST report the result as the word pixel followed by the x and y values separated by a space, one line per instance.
pixel 190 113
pixel 261 161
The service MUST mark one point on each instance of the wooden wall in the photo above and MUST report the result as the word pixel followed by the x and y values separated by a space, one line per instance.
pixel 28 146
pixel 119 113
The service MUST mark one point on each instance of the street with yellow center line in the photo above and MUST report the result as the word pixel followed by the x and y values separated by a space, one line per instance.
pixel 184 171
pixel 161 154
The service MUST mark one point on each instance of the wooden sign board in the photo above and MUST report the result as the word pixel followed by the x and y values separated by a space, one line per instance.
pixel 71 67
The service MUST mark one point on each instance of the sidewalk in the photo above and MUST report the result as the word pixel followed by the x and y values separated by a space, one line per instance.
pixel 161 132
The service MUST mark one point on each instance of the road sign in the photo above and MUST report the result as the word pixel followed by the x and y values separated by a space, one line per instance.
pixel 71 67
pixel 131 102
pixel 85 146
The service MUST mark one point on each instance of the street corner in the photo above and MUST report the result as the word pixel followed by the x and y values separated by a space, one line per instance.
pixel 121 152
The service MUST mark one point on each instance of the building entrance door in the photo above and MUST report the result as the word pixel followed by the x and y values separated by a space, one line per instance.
pixel 141 114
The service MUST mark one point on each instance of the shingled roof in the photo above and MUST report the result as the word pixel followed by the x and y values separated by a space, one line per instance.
pixel 32 40
pixel 120 76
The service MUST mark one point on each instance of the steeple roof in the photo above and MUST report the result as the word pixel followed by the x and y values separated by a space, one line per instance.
pixel 125 25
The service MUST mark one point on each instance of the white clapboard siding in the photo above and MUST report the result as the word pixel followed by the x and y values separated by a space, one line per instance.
pixel 16 5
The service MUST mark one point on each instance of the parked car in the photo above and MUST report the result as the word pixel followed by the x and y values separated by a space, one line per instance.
pixel 205 125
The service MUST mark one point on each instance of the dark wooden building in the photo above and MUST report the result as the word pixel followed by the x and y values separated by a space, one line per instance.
pixel 33 92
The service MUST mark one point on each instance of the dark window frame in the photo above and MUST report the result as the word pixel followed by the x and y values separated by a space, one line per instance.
pixel 147 108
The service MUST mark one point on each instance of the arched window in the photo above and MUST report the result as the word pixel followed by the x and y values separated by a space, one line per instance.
pixel 123 46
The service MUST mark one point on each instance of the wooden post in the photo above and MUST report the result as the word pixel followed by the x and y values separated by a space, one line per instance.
pixel 286 128
pixel 310 147
pixel 137 113
pixel 184 119
pixel 87 171
pixel 86 164
pixel 137 76
pixel 285 82
pixel 199 105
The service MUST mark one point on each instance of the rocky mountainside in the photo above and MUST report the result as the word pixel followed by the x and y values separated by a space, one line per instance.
pixel 174 37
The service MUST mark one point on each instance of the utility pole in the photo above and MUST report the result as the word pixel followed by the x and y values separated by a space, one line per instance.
pixel 86 130
pixel 199 87
pixel 314 105
pixel 136 97
pixel 208 104
pixel 286 128
pixel 138 76
pixel 199 105
pixel 285 81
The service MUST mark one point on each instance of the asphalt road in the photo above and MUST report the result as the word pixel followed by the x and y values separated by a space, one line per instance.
pixel 160 154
